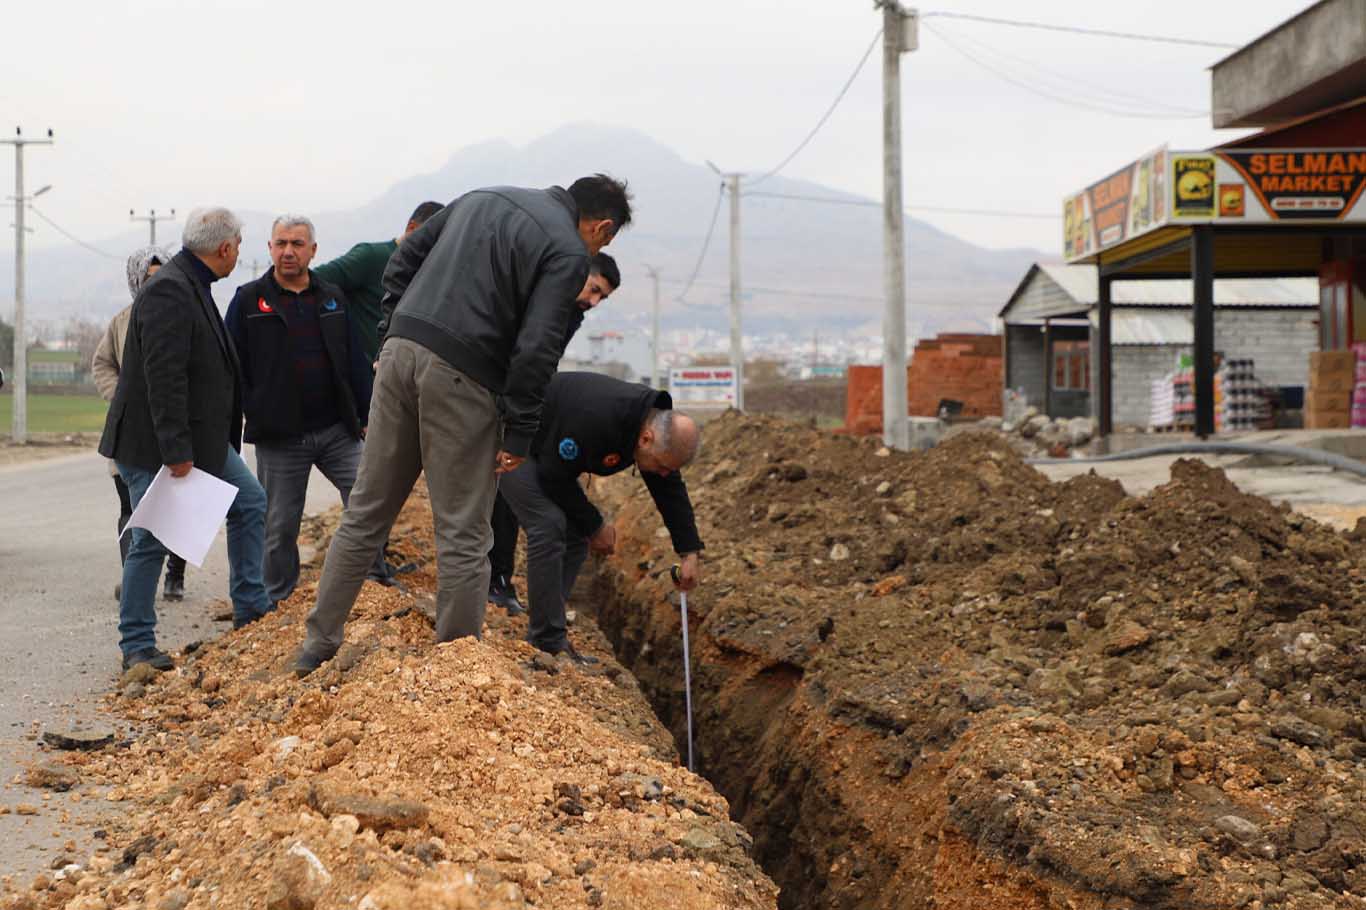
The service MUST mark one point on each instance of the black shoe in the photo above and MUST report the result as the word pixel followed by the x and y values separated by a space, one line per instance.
pixel 504 593
pixel 305 663
pixel 238 622
pixel 118 591
pixel 385 578
pixel 583 660
pixel 173 589
pixel 157 660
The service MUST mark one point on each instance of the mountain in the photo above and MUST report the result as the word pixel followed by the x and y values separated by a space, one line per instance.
pixel 805 266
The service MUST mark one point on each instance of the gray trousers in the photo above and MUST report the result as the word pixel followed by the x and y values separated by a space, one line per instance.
pixel 555 552
pixel 283 469
pixel 423 413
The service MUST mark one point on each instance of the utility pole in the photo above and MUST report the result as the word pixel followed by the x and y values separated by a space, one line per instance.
pixel 900 33
pixel 19 426
pixel 737 347
pixel 151 218
pixel 654 329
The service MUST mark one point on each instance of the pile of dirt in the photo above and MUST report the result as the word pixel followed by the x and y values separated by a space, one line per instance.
pixel 938 679
pixel 401 775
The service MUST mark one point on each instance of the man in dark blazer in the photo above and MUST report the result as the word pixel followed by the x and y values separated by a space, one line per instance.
pixel 178 405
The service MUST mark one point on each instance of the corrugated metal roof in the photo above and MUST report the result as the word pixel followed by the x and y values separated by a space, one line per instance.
pixel 1080 282
pixel 1129 327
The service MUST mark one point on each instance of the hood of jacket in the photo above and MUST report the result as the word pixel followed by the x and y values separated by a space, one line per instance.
pixel 142 259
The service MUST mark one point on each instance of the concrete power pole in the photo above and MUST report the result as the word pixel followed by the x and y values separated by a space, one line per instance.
pixel 19 426
pixel 737 346
pixel 899 35
pixel 654 329
pixel 151 218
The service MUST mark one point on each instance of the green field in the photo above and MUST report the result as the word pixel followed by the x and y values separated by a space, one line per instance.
pixel 56 413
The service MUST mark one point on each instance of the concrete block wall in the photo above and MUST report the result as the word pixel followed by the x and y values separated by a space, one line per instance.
pixel 1026 361
pixel 1278 340
pixel 1135 368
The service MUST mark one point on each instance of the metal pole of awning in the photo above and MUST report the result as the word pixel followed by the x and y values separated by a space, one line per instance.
pixel 1202 277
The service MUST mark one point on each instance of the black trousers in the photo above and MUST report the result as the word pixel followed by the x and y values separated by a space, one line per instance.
pixel 503 553
pixel 555 552
pixel 175 566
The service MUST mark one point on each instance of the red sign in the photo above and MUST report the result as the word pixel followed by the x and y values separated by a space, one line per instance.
pixel 1303 184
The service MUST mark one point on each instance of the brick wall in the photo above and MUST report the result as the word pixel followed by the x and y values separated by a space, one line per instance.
pixel 966 368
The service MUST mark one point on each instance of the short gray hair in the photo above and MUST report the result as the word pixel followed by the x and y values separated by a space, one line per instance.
pixel 289 221
pixel 661 422
pixel 207 229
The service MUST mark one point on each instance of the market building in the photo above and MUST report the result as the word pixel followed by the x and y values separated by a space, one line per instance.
pixel 1285 202
pixel 1050 329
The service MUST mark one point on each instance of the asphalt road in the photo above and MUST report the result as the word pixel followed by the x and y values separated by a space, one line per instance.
pixel 59 562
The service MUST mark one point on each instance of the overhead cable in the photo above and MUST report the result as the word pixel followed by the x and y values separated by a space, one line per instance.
pixel 1054 96
pixel 1071 86
pixel 1079 30
pixel 824 117
pixel 706 242
pixel 868 203
pixel 70 236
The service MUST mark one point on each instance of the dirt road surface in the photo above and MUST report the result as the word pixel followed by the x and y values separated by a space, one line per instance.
pixel 59 563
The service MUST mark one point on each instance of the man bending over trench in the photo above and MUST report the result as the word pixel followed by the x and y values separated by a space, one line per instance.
pixel 599 425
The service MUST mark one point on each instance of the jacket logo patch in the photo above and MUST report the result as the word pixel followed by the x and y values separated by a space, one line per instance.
pixel 569 449
pixel 263 306
pixel 611 461
pixel 330 305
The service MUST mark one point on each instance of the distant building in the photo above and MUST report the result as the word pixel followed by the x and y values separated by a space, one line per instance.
pixel 1051 326
pixel 48 367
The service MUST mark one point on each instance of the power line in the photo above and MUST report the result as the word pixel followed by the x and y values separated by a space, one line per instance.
pixel 824 117
pixel 1078 30
pixel 70 236
pixel 1070 84
pixel 868 203
pixel 706 242
pixel 1053 96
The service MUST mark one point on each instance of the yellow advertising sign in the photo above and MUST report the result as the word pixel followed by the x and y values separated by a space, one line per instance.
pixel 1228 186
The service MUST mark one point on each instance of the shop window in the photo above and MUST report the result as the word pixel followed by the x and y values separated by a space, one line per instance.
pixel 1071 365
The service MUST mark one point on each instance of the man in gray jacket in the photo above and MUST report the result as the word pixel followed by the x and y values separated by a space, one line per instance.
pixel 477 305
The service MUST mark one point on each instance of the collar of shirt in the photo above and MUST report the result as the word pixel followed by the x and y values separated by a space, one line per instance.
pixel 284 290
pixel 202 273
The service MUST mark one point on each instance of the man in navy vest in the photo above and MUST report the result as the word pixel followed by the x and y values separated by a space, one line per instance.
pixel 305 389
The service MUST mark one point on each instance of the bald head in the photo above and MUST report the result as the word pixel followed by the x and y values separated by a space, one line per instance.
pixel 668 442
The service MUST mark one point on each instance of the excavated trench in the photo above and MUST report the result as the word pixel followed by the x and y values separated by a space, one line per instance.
pixel 940 680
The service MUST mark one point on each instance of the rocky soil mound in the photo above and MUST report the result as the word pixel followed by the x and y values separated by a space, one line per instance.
pixel 938 679
pixel 402 775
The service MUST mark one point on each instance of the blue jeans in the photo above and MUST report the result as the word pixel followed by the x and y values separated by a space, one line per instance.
pixel 246 547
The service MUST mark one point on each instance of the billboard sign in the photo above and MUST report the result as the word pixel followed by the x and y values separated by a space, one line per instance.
pixel 1129 202
pixel 703 387
pixel 1234 186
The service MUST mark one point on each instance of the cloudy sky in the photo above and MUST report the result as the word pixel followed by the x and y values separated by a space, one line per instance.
pixel 307 106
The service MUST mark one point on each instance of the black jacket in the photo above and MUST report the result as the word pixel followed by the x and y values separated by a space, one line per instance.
pixel 260 331
pixel 591 423
pixel 489 284
pixel 177 399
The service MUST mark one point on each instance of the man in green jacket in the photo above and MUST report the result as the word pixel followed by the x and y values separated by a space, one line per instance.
pixel 358 273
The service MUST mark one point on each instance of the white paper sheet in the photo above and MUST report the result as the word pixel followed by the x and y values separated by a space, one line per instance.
pixel 184 513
